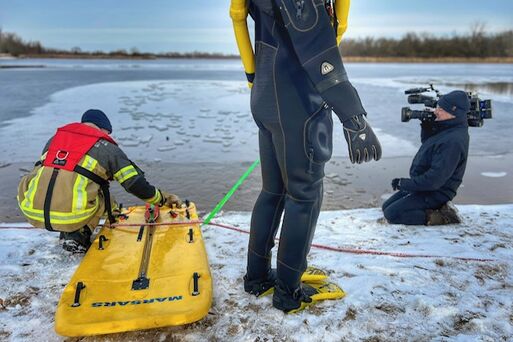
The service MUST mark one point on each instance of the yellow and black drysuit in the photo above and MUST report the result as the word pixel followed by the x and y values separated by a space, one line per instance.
pixel 297 80
pixel 55 198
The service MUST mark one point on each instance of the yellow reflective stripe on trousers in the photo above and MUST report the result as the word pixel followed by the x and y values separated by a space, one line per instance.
pixel 80 187
pixel 31 192
pixel 125 174
pixel 59 217
pixel 155 199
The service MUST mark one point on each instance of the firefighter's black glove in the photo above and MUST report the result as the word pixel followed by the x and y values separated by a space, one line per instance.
pixel 362 142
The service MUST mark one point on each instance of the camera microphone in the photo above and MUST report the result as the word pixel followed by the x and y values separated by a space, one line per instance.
pixel 416 91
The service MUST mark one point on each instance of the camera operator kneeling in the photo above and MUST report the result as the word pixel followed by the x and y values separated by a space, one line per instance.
pixel 437 169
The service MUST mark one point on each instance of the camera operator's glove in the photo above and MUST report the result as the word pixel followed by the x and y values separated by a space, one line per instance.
pixel 396 184
pixel 362 142
pixel 170 200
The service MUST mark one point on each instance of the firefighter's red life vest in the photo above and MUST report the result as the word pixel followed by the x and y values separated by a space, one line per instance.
pixel 71 143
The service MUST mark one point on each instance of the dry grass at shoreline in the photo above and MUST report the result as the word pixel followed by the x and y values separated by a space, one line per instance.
pixel 494 60
pixel 348 59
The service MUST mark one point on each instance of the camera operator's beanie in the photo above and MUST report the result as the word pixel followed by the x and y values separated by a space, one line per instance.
pixel 97 117
pixel 455 103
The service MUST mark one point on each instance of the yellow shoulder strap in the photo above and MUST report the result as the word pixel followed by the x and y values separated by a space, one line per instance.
pixel 239 14
pixel 342 12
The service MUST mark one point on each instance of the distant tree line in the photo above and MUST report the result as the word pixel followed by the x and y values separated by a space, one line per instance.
pixel 475 44
pixel 14 45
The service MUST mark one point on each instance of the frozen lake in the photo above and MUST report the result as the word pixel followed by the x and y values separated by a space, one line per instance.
pixel 198 110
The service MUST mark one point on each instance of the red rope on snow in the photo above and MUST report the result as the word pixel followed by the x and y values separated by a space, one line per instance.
pixel 178 223
pixel 323 247
pixel 364 251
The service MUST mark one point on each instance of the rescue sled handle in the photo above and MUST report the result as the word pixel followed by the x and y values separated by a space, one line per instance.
pixel 239 14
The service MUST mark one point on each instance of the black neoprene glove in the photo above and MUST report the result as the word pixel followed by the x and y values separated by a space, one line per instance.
pixel 362 142
pixel 396 184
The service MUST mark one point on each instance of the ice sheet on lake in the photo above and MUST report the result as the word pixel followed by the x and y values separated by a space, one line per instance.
pixel 124 64
pixel 148 118
pixel 494 174
pixel 178 121
pixel 388 298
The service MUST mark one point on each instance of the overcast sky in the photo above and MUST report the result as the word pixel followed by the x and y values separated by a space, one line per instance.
pixel 204 25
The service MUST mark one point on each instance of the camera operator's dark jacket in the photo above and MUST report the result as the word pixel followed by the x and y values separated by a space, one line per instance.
pixel 439 165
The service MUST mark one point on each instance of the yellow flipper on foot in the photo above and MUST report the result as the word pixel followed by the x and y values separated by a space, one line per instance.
pixel 311 275
pixel 314 275
pixel 319 292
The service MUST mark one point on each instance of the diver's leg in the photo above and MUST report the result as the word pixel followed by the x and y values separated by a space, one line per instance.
pixel 303 149
pixel 265 218
pixel 299 221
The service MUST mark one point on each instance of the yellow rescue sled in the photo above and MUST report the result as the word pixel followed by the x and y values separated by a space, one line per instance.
pixel 139 277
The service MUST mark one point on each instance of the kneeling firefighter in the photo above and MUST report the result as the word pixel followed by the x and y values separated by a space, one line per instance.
pixel 297 78
pixel 68 189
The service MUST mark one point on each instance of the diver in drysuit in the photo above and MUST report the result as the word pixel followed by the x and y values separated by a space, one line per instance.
pixel 297 79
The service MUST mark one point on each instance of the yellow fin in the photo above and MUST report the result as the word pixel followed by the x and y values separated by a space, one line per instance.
pixel 313 275
pixel 325 291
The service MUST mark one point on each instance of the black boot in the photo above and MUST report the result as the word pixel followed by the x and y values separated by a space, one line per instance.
pixel 295 300
pixel 260 287
pixel 78 241
pixel 450 212
pixel 447 214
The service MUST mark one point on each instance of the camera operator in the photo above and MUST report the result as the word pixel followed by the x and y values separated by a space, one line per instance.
pixel 437 169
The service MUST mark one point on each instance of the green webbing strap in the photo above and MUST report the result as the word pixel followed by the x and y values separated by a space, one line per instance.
pixel 230 193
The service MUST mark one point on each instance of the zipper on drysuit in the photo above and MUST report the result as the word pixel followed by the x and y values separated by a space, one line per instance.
pixel 300 4
pixel 310 160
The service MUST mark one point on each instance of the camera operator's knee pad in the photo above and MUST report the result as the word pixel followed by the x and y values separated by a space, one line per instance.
pixel 394 213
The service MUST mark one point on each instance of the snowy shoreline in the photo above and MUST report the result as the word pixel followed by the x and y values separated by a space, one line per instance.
pixel 389 299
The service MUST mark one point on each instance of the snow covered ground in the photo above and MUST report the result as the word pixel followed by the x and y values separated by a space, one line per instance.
pixel 388 298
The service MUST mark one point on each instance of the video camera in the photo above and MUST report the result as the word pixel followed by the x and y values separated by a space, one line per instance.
pixel 479 109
